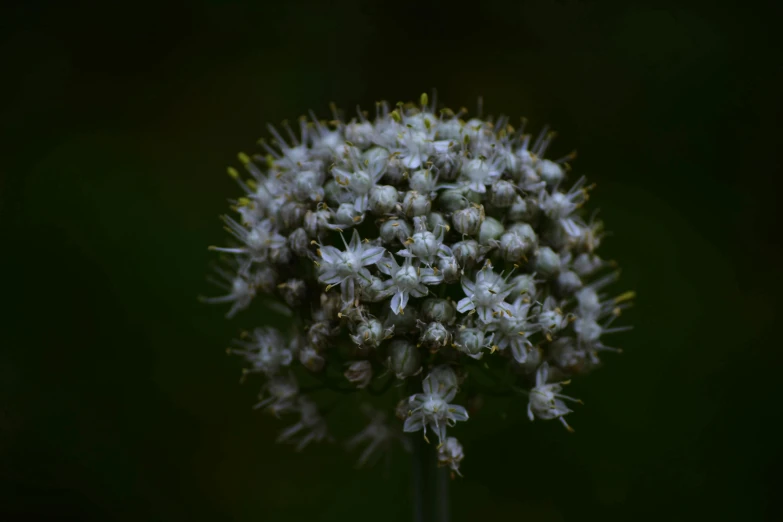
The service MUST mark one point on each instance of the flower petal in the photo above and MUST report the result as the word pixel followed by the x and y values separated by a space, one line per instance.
pixel 413 423
pixel 372 255
pixel 465 305
pixel 457 412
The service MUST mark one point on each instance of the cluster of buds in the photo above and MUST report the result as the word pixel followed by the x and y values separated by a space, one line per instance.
pixel 417 248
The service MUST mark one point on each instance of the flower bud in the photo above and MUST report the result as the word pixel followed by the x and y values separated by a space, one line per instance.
pixel 375 156
pixel 402 323
pixel 452 200
pixel 424 245
pixel 523 210
pixel 466 252
pixel 445 376
pixel 422 181
pixel 567 282
pixel 587 330
pixel 292 214
pixel 396 172
pixel 589 304
pixel 503 194
pixel 335 194
pixel 311 360
pixel 402 409
pixel 416 204
pixel 359 373
pixel 449 129
pixel 440 310
pixel 512 247
pixel 383 199
pixel 370 333
pixel 435 222
pixel 468 220
pixel 293 291
pixel 449 269
pixel 585 264
pixel 318 334
pixel 552 320
pixel 523 285
pixel 347 215
pixel 308 186
pixel 330 305
pixel 547 262
pixel 435 335
pixel 316 222
pixel 550 172
pixel 490 230
pixel 450 454
pixel 404 359
pixel 299 243
pixel 374 291
pixel 564 353
pixel 395 229
pixel 280 255
pixel 359 133
pixel 517 242
pixel 470 341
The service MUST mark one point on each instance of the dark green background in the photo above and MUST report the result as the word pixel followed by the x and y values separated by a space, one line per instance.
pixel 117 399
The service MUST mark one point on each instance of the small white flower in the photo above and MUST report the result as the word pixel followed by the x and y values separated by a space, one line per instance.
pixel 370 332
pixel 486 295
pixel 471 342
pixel 544 400
pixel 477 173
pixel 240 292
pixel 450 454
pixel 432 409
pixel 406 281
pixel 360 181
pixel 283 392
pixel 348 267
pixel 425 245
pixel 560 207
pixel 513 330
pixel 258 241
pixel 310 428
pixel 551 318
pixel 266 350
pixel 359 373
pixel 378 434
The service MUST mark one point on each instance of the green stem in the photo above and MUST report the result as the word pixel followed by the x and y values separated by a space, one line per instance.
pixel 430 483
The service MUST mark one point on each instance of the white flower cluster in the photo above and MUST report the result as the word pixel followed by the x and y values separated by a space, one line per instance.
pixel 407 248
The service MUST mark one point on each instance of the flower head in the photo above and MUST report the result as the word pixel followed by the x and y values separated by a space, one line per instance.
pixel 470 261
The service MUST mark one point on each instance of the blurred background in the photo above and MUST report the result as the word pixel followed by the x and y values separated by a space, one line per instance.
pixel 117 401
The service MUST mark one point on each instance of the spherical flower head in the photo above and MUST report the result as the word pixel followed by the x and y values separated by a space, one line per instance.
pixel 417 245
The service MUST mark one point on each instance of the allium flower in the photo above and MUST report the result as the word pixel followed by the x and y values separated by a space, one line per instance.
pixel 470 261
pixel 406 281
pixel 513 330
pixel 486 295
pixel 545 401
pixel 345 268
pixel 450 454
pixel 379 434
pixel 311 426
pixel 431 408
